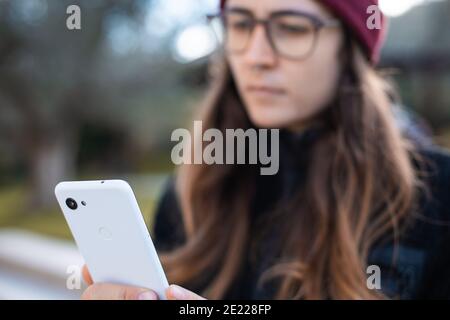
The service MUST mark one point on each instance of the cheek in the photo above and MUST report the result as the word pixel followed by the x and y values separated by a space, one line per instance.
pixel 313 88
pixel 313 84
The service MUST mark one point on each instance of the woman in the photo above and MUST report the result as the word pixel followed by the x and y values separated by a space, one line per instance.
pixel 355 195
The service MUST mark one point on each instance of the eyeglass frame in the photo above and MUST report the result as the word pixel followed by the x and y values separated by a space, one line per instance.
pixel 317 22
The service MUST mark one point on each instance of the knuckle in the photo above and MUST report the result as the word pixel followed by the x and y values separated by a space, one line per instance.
pixel 129 293
pixel 88 294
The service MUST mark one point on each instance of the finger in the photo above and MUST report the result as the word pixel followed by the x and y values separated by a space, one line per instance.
pixel 175 292
pixel 86 275
pixel 107 291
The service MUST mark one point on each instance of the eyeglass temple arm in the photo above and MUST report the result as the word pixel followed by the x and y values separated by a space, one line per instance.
pixel 331 23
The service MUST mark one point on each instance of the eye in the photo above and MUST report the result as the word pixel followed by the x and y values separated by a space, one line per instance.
pixel 242 25
pixel 293 29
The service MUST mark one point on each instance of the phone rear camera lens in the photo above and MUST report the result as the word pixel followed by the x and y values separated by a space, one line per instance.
pixel 72 204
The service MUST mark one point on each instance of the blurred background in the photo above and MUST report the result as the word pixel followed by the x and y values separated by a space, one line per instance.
pixel 101 103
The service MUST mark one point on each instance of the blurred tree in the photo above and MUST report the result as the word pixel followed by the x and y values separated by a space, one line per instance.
pixel 48 84
pixel 418 48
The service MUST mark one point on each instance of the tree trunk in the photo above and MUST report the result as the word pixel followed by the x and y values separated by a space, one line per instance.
pixel 50 161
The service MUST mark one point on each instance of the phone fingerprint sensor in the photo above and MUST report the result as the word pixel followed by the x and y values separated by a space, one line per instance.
pixel 105 233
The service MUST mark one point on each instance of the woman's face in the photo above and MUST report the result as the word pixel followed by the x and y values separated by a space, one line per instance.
pixel 280 92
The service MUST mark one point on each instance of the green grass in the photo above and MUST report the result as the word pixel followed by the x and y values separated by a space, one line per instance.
pixel 51 222
pixel 11 204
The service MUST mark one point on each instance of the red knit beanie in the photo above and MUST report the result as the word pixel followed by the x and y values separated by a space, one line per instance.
pixel 354 14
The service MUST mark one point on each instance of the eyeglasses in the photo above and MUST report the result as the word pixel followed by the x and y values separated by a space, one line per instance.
pixel 291 34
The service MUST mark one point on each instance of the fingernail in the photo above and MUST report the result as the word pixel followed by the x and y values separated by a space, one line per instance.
pixel 177 292
pixel 147 295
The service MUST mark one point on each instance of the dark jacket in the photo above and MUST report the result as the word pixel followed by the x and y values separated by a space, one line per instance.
pixel 422 267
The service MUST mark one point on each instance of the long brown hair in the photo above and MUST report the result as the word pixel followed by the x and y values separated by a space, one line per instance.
pixel 360 186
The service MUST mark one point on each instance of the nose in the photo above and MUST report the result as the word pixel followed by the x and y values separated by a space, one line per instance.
pixel 259 52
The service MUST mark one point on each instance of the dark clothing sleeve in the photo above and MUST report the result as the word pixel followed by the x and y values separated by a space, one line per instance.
pixel 422 261
pixel 168 231
pixel 437 274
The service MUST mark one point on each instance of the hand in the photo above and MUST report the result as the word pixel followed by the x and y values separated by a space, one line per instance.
pixel 109 291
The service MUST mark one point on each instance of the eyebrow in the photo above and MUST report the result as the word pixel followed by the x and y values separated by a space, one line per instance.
pixel 244 10
pixel 238 9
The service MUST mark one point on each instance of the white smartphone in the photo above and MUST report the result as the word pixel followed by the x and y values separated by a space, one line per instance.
pixel 110 232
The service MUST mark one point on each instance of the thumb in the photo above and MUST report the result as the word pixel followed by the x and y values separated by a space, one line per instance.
pixel 175 292
pixel 86 275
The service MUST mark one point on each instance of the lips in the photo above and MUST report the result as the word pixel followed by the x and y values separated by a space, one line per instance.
pixel 263 89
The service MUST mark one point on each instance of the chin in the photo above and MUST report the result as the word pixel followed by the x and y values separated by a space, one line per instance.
pixel 269 121
pixel 272 118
